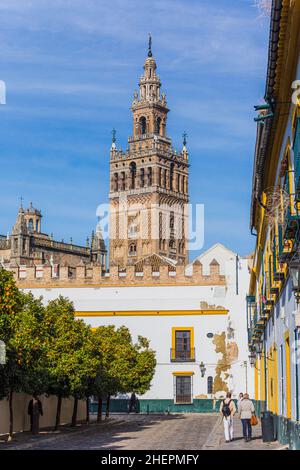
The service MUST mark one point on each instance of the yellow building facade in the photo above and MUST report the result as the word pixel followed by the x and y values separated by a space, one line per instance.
pixel 272 309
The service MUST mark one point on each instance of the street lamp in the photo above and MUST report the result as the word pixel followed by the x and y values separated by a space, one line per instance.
pixel 202 369
pixel 295 275
pixel 252 359
pixel 259 348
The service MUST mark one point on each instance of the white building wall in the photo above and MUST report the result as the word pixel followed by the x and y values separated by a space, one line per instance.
pixel 158 328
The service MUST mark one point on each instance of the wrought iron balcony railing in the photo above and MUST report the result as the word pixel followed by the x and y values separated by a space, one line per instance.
pixel 182 356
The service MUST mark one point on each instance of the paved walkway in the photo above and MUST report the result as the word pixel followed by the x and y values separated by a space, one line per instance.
pixel 144 432
pixel 216 439
pixel 123 432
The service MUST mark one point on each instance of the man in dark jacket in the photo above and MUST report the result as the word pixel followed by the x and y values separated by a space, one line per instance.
pixel 35 409
pixel 133 403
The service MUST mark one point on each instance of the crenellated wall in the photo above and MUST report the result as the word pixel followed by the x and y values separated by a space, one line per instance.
pixel 65 276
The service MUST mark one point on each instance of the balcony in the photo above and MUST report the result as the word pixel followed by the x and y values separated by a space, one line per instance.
pixel 182 356
pixel 291 224
pixel 279 276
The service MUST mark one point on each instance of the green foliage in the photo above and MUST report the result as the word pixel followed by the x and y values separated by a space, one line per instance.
pixel 69 350
pixel 49 351
pixel 123 366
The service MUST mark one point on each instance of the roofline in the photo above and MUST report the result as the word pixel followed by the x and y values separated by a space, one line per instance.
pixel 263 135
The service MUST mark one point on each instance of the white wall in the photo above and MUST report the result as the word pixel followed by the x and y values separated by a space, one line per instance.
pixel 158 328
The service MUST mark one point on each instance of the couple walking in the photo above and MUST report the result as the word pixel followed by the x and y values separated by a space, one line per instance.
pixel 245 411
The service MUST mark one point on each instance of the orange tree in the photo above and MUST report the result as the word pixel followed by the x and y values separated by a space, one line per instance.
pixel 71 364
pixel 124 366
pixel 11 304
pixel 21 329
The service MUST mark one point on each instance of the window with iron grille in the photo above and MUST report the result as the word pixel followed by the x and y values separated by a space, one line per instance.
pixel 183 389
pixel 209 385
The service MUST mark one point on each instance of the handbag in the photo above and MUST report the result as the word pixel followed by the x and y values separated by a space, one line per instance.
pixel 254 420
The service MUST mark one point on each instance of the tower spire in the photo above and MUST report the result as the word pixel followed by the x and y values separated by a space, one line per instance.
pixel 113 143
pixel 150 46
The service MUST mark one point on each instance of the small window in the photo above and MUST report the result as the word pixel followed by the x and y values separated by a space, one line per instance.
pixel 132 250
pixel 158 125
pixel 30 225
pixel 142 177
pixel 210 385
pixel 143 125
pixel 171 176
pixel 116 182
pixel 132 168
pixel 149 176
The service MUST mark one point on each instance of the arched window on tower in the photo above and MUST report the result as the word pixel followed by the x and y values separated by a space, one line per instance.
pixel 132 168
pixel 150 176
pixel 132 249
pixel 159 177
pixel 165 179
pixel 171 176
pixel 158 126
pixel 30 225
pixel 143 125
pixel 123 181
pixel 178 182
pixel 142 177
pixel 116 182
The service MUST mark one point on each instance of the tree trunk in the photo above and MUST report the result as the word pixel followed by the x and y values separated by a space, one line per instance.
pixel 99 415
pixel 107 406
pixel 74 416
pixel 11 415
pixel 58 412
pixel 87 410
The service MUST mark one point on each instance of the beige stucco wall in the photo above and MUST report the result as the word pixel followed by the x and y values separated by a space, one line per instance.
pixel 21 418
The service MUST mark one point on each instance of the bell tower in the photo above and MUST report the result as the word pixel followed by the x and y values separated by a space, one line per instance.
pixel 149 108
pixel 148 182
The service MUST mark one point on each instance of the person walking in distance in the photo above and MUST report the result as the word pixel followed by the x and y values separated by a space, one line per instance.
pixel 246 410
pixel 241 396
pixel 35 410
pixel 133 403
pixel 227 410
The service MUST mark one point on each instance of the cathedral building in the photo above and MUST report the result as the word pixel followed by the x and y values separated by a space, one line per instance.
pixel 148 183
pixel 27 245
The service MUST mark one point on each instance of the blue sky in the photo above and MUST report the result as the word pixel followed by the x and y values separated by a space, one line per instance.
pixel 71 67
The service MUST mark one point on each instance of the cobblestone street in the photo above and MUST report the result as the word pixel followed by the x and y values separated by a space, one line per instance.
pixel 144 432
pixel 132 432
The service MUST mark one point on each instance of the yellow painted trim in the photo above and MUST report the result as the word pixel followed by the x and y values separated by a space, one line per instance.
pixel 183 373
pixel 181 328
pixel 256 379
pixel 149 313
pixel 262 378
pixel 288 375
pixel 276 404
pixel 286 335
